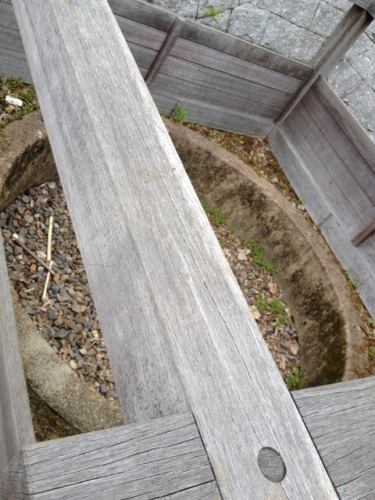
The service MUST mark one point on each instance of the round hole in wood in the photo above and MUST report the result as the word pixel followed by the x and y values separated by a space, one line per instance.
pixel 271 465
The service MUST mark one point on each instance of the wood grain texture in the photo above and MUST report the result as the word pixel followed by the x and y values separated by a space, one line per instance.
pixel 341 143
pixel 300 132
pixel 168 44
pixel 161 19
pixel 354 23
pixel 13 481
pixel 7 17
pixel 150 37
pixel 324 202
pixel 16 428
pixel 178 329
pixel 213 116
pixel 303 182
pixel 325 144
pixel 164 458
pixel 183 89
pixel 14 64
pixel 341 113
pixel 340 419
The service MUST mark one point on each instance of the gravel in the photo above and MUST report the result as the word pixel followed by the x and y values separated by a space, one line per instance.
pixel 67 319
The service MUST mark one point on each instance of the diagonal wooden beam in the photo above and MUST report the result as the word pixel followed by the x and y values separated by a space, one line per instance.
pixel 178 329
pixel 335 47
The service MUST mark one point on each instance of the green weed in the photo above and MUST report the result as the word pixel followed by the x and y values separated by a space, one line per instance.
pixel 213 12
pixel 180 115
pixel 261 303
pixel 257 254
pixel 349 273
pixel 297 379
pixel 277 306
pixel 219 218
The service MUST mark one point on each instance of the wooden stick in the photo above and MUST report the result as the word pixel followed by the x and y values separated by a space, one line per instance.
pixel 15 237
pixel 49 256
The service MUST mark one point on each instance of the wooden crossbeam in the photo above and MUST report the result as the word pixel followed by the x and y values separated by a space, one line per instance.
pixel 334 48
pixel 178 329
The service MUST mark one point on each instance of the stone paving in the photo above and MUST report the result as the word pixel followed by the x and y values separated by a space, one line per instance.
pixel 296 29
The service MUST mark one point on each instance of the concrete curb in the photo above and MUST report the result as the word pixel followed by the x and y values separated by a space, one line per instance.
pixel 331 350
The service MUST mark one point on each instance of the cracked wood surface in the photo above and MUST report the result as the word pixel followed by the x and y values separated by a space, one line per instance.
pixel 162 459
pixel 178 329
pixel 341 422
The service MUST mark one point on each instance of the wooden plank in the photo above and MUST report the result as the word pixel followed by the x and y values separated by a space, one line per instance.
pixel 208 95
pixel 147 36
pixel 158 459
pixel 363 235
pixel 144 13
pixel 168 44
pixel 161 19
pixel 303 182
pixel 14 64
pixel 177 327
pixel 16 429
pixel 141 34
pixel 340 419
pixel 295 128
pixel 346 120
pixel 369 5
pixel 366 290
pixel 367 250
pixel 13 481
pixel 349 257
pixel 311 122
pixel 7 17
pixel 265 97
pixel 11 39
pixel 143 56
pixel 343 147
pixel 213 116
pixel 214 59
pixel 334 48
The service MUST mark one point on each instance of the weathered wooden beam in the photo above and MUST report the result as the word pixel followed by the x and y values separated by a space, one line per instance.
pixel 16 429
pixel 369 5
pixel 168 44
pixel 162 459
pixel 335 47
pixel 178 329
pixel 363 235
pixel 340 420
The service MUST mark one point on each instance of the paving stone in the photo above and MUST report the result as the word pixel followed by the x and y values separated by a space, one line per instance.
pixel 326 19
pixel 343 78
pixel 248 22
pixel 281 35
pixel 220 22
pixel 187 8
pixel 344 5
pixel 300 12
pixel 204 5
pixel 308 46
pixel 361 103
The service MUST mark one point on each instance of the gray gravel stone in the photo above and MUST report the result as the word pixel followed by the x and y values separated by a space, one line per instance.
pixel 343 78
pixel 282 35
pixel 220 22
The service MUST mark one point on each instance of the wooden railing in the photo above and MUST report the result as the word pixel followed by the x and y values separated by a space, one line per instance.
pixel 184 348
